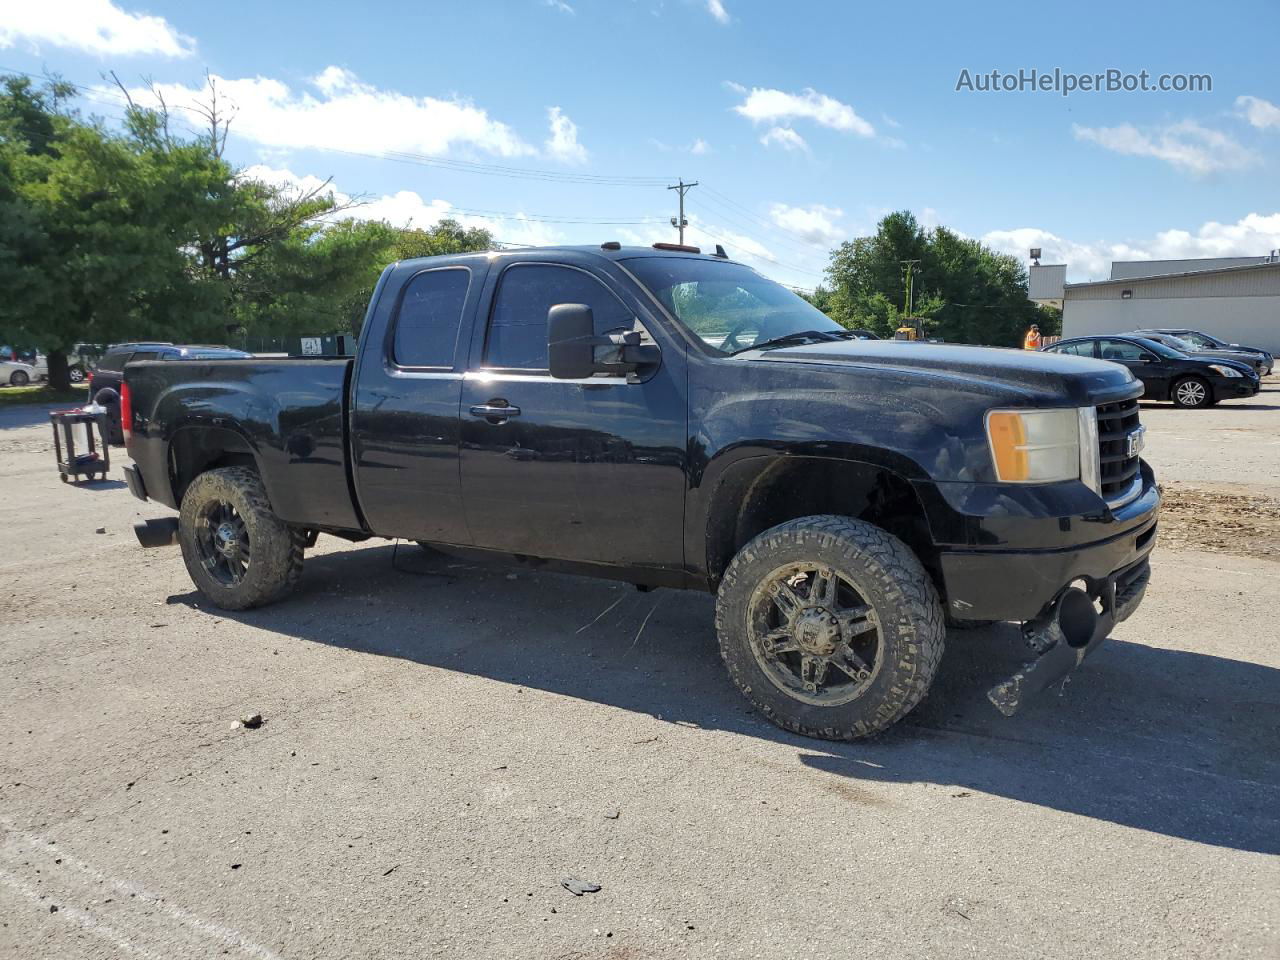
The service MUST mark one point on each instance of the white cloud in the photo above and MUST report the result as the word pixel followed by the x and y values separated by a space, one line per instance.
pixel 784 137
pixel 778 107
pixel 1251 236
pixel 344 113
pixel 406 208
pixel 1187 146
pixel 815 223
pixel 563 142
pixel 1261 113
pixel 717 10
pixel 559 5
pixel 94 26
pixel 699 147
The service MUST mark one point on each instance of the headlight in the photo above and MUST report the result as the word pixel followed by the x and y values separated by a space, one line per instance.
pixel 1222 371
pixel 1036 446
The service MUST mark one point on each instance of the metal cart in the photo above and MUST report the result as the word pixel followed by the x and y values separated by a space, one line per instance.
pixel 96 455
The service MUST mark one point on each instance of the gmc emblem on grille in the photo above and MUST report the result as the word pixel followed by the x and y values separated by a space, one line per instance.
pixel 1134 442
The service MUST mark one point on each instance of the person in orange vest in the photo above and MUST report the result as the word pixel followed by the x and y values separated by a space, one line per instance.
pixel 1032 342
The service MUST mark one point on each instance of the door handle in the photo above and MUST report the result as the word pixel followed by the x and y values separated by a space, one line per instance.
pixel 495 410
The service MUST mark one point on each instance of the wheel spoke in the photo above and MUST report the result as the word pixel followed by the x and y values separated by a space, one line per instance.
pixel 856 621
pixel 822 590
pixel 849 662
pixel 813 670
pixel 778 641
pixel 786 598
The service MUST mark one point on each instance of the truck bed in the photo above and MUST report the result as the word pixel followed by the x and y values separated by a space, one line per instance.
pixel 288 415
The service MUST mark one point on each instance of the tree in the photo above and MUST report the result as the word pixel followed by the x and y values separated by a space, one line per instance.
pixel 92 247
pixel 966 292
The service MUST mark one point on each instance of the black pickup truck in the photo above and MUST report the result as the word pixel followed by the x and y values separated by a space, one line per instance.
pixel 675 419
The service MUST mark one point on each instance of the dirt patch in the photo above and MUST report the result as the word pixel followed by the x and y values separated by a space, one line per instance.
pixel 1247 525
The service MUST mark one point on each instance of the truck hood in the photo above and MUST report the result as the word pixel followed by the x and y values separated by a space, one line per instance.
pixel 1041 376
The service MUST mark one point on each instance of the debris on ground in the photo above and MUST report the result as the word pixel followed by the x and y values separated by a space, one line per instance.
pixel 101 530
pixel 579 887
pixel 1246 525
pixel 613 814
pixel 251 722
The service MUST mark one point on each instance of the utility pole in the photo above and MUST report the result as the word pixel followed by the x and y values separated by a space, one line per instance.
pixel 680 222
pixel 910 282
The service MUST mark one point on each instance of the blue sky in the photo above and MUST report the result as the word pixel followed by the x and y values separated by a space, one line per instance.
pixel 803 122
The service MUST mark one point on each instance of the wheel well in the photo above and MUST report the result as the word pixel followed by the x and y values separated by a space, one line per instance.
pixel 755 498
pixel 195 451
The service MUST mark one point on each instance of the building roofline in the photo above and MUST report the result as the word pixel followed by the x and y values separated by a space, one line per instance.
pixel 1171 276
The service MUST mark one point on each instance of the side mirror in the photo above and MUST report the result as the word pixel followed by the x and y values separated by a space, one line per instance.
pixel 571 341
pixel 575 352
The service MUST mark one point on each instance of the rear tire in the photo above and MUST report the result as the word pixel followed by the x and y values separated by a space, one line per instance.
pixel 19 379
pixel 238 552
pixel 879 630
pixel 1192 393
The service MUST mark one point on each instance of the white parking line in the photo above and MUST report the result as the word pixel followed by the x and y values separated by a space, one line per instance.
pixel 185 919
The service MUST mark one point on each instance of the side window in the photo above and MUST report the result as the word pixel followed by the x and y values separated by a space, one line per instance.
pixel 1082 349
pixel 1121 350
pixel 145 355
pixel 426 331
pixel 517 335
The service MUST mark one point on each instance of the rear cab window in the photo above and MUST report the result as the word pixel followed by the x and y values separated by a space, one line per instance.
pixel 429 318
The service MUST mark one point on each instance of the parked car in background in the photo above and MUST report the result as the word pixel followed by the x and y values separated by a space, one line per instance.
pixel 110 371
pixel 1167 374
pixel 1206 341
pixel 1253 360
pixel 17 374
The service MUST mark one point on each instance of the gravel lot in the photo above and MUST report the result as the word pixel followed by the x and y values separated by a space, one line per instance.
pixel 443 743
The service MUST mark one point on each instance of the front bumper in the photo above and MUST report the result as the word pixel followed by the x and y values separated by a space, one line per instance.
pixel 1236 388
pixel 1058 652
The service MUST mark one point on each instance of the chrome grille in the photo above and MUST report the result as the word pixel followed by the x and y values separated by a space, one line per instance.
pixel 1118 468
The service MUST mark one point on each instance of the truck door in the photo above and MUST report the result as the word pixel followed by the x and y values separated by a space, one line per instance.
pixel 586 470
pixel 404 421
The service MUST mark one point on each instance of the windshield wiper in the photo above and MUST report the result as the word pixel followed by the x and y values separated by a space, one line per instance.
pixel 801 336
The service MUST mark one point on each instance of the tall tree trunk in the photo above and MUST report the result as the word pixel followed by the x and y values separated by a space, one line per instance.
pixel 59 370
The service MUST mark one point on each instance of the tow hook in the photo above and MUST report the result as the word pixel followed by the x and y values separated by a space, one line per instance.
pixel 160 532
pixel 1060 637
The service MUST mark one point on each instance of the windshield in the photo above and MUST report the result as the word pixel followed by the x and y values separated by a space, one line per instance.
pixel 1202 341
pixel 1178 343
pixel 1155 346
pixel 728 306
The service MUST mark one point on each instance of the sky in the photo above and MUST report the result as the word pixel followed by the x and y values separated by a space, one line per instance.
pixel 803 123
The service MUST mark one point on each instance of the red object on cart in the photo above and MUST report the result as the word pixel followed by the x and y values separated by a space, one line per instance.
pixel 95 458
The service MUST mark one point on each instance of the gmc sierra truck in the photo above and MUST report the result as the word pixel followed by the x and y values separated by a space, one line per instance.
pixel 674 419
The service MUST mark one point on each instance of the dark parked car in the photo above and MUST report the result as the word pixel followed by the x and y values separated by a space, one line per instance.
pixel 677 420
pixel 1207 341
pixel 1166 374
pixel 1254 360
pixel 110 371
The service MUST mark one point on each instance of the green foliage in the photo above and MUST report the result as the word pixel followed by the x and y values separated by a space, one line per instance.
pixel 110 235
pixel 966 292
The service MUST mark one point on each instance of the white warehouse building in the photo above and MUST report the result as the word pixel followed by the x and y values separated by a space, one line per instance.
pixel 1236 299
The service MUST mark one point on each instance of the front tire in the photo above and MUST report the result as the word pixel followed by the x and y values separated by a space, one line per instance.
pixel 238 552
pixel 75 374
pixel 1192 393
pixel 830 627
